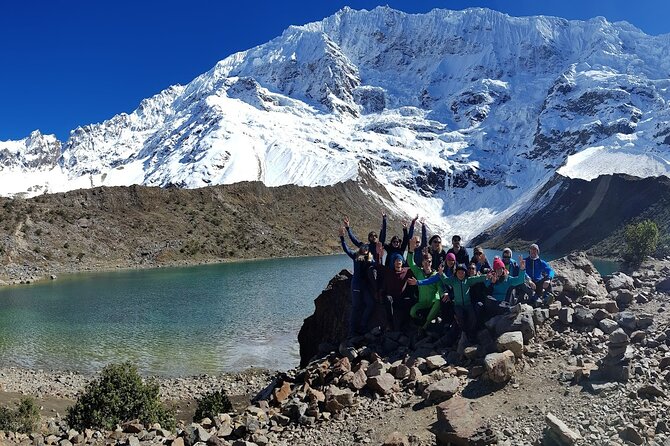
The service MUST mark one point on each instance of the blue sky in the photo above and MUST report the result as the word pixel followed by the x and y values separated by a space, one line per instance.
pixel 65 63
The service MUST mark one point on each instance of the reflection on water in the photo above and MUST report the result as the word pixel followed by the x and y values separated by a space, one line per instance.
pixel 170 321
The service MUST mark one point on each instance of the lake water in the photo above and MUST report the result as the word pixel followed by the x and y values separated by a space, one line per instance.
pixel 168 321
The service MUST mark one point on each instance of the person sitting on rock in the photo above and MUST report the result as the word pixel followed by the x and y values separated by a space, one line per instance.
pixel 499 284
pixel 397 246
pixel 480 260
pixel 429 296
pixel 394 292
pixel 516 293
pixel 459 251
pixel 362 300
pixel 539 275
pixel 464 312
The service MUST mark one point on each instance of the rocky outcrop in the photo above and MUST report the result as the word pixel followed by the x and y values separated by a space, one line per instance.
pixel 576 277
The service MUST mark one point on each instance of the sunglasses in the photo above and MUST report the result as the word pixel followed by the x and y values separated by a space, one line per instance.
pixel 507 257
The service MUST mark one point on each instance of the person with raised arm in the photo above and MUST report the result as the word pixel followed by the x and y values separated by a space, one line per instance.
pixel 429 296
pixel 394 291
pixel 500 283
pixel 373 238
pixel 362 300
pixel 464 312
pixel 437 254
pixel 397 246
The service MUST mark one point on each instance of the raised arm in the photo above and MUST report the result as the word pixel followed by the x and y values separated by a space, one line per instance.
pixel 345 248
pixel 424 234
pixel 382 233
pixel 410 259
pixel 352 237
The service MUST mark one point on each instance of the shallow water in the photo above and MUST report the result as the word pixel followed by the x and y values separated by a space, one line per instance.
pixel 169 321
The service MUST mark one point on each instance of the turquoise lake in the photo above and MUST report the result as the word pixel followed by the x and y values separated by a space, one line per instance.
pixel 169 321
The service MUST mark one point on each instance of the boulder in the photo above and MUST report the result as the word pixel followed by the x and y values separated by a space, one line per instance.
pixel 512 341
pixel 329 324
pixel 664 285
pixel 396 439
pixel 609 305
pixel 561 431
pixel 435 362
pixel 565 315
pixel 523 322
pixel 608 325
pixel 500 366
pixel 441 390
pixel 619 281
pixel 457 422
pixel 627 320
pixel 359 380
pixel 382 384
pixel 577 277
pixel 623 297
pixel 584 316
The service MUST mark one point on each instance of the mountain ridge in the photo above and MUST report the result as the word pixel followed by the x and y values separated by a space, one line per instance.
pixel 461 115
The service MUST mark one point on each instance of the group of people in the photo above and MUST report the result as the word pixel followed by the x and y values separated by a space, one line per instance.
pixel 420 283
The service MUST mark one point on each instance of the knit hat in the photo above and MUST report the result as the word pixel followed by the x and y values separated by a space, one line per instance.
pixel 462 267
pixel 498 263
pixel 451 256
pixel 395 257
pixel 507 250
pixel 364 247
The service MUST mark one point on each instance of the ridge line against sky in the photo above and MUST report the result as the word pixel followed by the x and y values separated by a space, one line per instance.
pixel 72 63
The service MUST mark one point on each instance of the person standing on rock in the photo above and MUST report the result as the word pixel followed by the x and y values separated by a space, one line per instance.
pixel 500 283
pixel 459 251
pixel 429 296
pixel 397 246
pixel 373 239
pixel 436 252
pixel 395 293
pixel 539 275
pixel 362 300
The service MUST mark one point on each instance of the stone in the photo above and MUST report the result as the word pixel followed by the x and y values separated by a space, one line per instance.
pixel 500 366
pixel 179 441
pixel 650 391
pixel 376 368
pixel 601 314
pixel 457 422
pixel 584 316
pixel 629 433
pixel 382 384
pixel 644 321
pixel 281 393
pixel 627 320
pixel 435 362
pixel 664 363
pixel 637 336
pixel 619 281
pixel 345 397
pixel 561 430
pixel 608 305
pixel 618 336
pixel 414 373
pixel 133 441
pixel 396 439
pixel 441 390
pixel 342 366
pixel 608 326
pixel 555 308
pixel 132 427
pixel 576 277
pixel 540 315
pixel 359 380
pixel 402 372
pixel 513 341
pixel 663 286
pixel 602 387
pixel 624 298
pixel 565 315
pixel 523 322
pixel 471 352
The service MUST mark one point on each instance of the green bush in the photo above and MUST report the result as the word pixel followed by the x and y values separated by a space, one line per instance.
pixel 25 418
pixel 641 240
pixel 119 395
pixel 211 404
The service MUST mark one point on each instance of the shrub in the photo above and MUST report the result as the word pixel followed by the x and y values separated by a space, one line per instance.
pixel 119 395
pixel 25 418
pixel 641 240
pixel 211 404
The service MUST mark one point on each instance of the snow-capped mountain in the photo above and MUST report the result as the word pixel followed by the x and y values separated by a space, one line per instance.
pixel 461 115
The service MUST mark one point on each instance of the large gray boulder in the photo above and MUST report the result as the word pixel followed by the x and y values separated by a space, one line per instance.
pixel 576 277
pixel 618 281
pixel 500 366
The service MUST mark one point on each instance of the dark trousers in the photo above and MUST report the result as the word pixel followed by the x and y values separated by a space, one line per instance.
pixel 540 292
pixel 493 308
pixel 466 319
pixel 397 311
pixel 362 304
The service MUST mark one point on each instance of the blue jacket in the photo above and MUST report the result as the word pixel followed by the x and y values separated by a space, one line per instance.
pixel 538 269
pixel 500 287
pixel 512 267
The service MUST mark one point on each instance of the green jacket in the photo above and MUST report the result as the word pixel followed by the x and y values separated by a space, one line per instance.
pixel 462 288
pixel 428 293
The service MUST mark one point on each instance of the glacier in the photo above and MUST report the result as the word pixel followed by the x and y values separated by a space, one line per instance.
pixel 461 115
